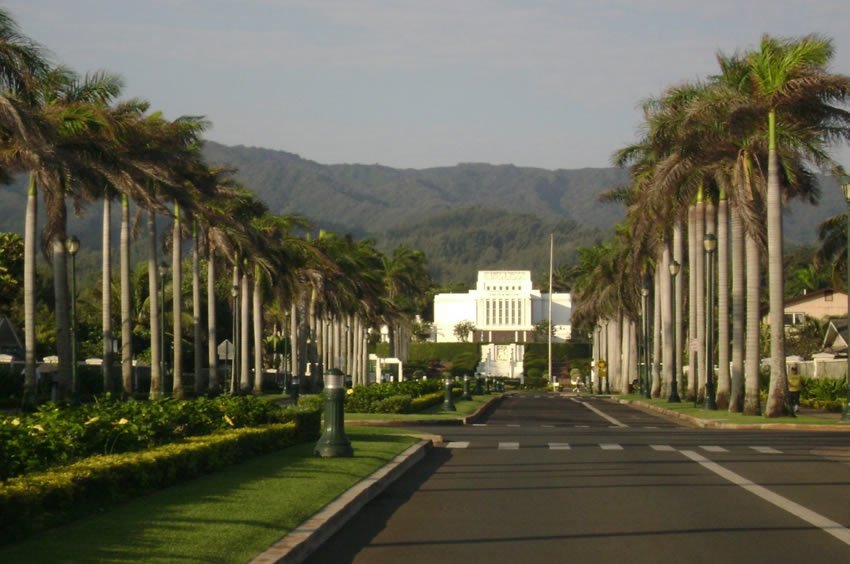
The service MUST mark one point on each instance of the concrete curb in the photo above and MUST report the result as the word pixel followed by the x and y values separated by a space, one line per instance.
pixel 714 424
pixel 302 541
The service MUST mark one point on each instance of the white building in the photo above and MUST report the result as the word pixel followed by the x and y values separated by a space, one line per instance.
pixel 503 307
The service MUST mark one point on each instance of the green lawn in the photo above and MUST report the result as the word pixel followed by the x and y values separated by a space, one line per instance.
pixel 435 412
pixel 229 516
pixel 688 408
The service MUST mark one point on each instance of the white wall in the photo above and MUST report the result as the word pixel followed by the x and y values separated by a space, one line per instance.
pixel 449 310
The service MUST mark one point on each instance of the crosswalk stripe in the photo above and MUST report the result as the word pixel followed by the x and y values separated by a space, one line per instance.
pixel 651 427
pixel 713 448
pixel 582 426
pixel 766 450
pixel 559 446
pixel 663 448
pixel 548 426
pixel 610 446
pixel 508 446
pixel 479 424
pixel 512 425
pixel 457 444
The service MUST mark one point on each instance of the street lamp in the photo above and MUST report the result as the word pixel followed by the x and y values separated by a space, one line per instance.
pixel 710 245
pixel 163 270
pixel 72 245
pixel 845 187
pixel 644 307
pixel 674 384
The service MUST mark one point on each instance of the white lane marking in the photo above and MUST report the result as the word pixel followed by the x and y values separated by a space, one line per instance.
pixel 827 525
pixel 582 426
pixel 575 400
pixel 559 446
pixel 663 448
pixel 512 425
pixel 508 446
pixel 548 426
pixel 650 427
pixel 479 424
pixel 604 415
pixel 457 444
pixel 713 448
pixel 610 446
pixel 766 450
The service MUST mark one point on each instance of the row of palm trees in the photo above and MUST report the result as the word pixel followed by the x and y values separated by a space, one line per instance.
pixel 78 143
pixel 716 157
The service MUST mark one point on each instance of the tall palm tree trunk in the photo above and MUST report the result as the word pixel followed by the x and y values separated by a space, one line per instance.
pixel 106 291
pixel 126 302
pixel 614 349
pixel 655 390
pixel 776 282
pixel 293 338
pixel 709 221
pixel 212 338
pixel 692 303
pixel 677 308
pixel 197 351
pixel 245 336
pixel 752 402
pixel 665 297
pixel 177 303
pixel 736 399
pixel 699 256
pixel 258 334
pixel 723 377
pixel 153 303
pixel 30 225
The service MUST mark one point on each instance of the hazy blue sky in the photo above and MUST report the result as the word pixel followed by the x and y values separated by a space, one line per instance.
pixel 554 84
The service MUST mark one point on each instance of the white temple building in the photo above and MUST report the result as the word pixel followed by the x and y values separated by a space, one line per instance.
pixel 503 308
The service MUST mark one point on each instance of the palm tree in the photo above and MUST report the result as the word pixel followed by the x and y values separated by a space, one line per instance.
pixel 786 73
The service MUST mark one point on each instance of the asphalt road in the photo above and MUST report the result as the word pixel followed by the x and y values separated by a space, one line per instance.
pixel 555 479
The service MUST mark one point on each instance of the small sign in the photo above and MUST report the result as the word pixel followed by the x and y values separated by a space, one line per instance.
pixel 226 350
pixel 693 345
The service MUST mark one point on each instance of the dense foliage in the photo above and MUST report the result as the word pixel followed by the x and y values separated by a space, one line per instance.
pixel 56 435
pixel 393 397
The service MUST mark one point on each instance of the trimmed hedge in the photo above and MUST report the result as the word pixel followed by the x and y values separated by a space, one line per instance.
pixel 38 501
pixel 426 401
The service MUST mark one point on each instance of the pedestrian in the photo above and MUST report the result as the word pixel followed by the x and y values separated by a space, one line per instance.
pixel 794 386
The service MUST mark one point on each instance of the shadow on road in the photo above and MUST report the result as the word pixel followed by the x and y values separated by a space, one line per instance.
pixel 372 519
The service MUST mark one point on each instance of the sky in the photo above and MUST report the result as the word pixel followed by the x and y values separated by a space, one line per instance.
pixel 418 84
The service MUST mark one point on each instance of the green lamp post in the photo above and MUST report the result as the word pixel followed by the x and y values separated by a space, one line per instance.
pixel 674 384
pixel 710 244
pixel 333 442
pixel 72 245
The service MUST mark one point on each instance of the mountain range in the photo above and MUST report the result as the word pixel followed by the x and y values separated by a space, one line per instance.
pixel 467 217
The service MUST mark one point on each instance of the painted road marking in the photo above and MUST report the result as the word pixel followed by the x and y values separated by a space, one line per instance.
pixel 766 450
pixel 559 446
pixel 512 425
pixel 604 416
pixel 479 424
pixel 827 525
pixel 548 426
pixel 713 448
pixel 508 446
pixel 582 426
pixel 663 448
pixel 457 444
pixel 610 446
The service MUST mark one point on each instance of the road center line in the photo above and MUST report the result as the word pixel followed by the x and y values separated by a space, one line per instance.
pixel 604 415
pixel 827 525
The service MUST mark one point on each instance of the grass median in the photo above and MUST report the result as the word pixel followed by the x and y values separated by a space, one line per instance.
pixel 229 516
pixel 434 412
pixel 724 416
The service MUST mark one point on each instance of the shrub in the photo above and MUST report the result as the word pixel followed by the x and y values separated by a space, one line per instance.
pixel 426 401
pixel 393 404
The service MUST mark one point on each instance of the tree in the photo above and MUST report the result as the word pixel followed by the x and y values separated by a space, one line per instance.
pixel 462 329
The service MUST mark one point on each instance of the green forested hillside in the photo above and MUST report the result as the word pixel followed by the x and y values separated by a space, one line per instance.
pixel 465 217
